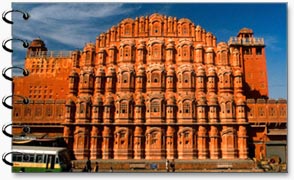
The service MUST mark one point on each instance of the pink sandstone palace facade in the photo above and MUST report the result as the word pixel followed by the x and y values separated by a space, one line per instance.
pixel 154 87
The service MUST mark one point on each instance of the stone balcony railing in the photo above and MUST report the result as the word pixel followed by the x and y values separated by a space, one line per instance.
pixel 246 41
pixel 50 54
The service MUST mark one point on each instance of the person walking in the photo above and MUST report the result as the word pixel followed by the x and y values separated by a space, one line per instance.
pixel 96 169
pixel 172 165
pixel 167 165
pixel 88 165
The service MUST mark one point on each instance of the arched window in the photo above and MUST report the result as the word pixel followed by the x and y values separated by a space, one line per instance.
pixel 88 57
pixel 155 106
pixel 223 57
pixel 186 107
pixel 156 51
pixel 186 77
pixel 128 29
pixel 123 107
pixel 154 138
pixel 187 138
pixel 127 52
pixel 185 51
pixel 185 30
pixel 155 78
pixel 125 77
pixel 228 107
pixel 156 31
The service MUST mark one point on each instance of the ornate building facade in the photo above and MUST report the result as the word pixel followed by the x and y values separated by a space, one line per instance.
pixel 154 87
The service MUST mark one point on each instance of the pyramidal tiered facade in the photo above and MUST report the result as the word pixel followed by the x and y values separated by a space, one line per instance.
pixel 153 87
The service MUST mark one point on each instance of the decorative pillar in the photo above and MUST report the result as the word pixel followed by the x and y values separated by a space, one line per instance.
pixel 138 143
pixel 141 52
pixel 81 142
pixel 106 144
pixel 213 109
pixel 170 48
pixel 110 80
pixel 170 143
pixel 200 80
pixel 214 143
pixel 242 142
pixel 171 109
pixel 139 109
pixel 140 79
pixel 240 111
pixel 199 54
pixel 95 147
pixel 99 81
pixel 202 142
pixel 170 79
pixel 73 83
pixel 112 55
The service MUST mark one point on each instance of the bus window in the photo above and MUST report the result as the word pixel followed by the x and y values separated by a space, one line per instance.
pixel 39 158
pixel 28 158
pixel 17 157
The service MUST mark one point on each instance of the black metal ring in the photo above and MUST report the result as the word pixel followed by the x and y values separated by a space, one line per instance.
pixel 25 100
pixel 25 44
pixel 25 72
pixel 25 15
pixel 25 129
pixel 6 154
pixel 5 132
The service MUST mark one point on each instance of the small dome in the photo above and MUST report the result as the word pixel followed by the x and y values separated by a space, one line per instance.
pixel 211 72
pixel 171 44
pixel 209 50
pixel 89 47
pixel 38 42
pixel 212 100
pixel 199 46
pixel 237 73
pixel 200 71
pixel 240 102
pixel 245 31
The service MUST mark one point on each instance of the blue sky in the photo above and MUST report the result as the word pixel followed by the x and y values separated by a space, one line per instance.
pixel 68 26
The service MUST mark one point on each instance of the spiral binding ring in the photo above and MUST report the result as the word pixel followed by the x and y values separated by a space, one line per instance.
pixel 25 72
pixel 4 130
pixel 25 100
pixel 25 44
pixel 25 129
pixel 25 16
pixel 6 154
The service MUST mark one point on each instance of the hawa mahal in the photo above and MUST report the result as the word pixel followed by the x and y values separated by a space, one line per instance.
pixel 154 87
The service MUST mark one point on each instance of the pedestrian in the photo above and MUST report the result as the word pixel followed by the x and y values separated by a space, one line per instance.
pixel 96 169
pixel 167 165
pixel 111 170
pixel 172 166
pixel 88 165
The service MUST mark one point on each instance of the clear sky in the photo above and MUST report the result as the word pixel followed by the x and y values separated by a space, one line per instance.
pixel 68 26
